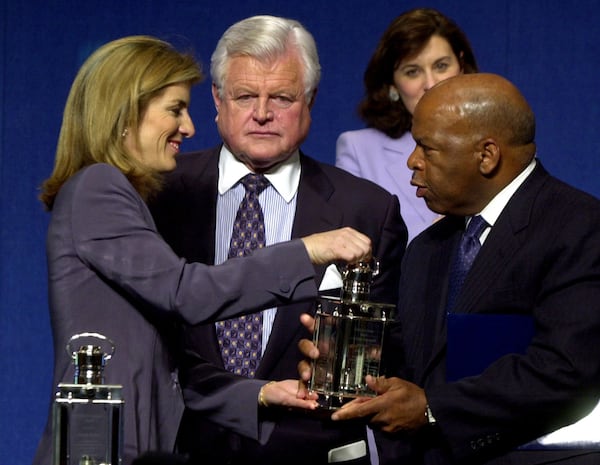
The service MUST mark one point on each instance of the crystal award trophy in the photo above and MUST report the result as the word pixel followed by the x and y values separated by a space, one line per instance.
pixel 87 415
pixel 349 333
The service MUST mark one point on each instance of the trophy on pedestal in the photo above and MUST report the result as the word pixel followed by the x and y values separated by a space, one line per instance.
pixel 349 333
pixel 88 414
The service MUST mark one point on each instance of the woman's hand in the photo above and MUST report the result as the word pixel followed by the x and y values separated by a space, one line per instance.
pixel 287 393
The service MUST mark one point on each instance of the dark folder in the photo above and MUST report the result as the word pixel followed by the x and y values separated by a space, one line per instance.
pixel 475 340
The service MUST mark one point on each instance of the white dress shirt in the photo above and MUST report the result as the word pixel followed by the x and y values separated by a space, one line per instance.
pixel 278 203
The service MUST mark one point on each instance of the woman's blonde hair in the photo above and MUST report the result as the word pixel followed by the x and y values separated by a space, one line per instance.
pixel 110 94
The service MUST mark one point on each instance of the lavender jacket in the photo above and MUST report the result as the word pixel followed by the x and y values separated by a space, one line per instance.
pixel 370 154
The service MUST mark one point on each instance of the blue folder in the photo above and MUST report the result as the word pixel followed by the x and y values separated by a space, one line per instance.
pixel 476 340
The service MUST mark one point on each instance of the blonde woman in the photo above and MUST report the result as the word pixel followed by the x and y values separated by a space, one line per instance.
pixel 110 272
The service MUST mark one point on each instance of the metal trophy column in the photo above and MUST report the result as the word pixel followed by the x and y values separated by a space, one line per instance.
pixel 349 333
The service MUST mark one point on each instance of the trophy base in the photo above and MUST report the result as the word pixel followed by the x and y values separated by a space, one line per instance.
pixel 87 424
pixel 332 401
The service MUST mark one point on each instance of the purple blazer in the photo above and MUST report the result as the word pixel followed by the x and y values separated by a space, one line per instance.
pixel 110 272
pixel 370 154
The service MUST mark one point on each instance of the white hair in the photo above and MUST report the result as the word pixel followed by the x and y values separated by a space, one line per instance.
pixel 267 38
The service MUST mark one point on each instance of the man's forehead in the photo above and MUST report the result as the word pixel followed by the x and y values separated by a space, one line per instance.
pixel 435 116
pixel 250 71
pixel 429 108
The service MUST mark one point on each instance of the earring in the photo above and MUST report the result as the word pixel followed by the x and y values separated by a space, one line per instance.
pixel 124 133
pixel 394 96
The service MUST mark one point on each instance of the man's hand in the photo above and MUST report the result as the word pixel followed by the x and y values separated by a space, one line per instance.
pixel 345 244
pixel 399 405
pixel 308 349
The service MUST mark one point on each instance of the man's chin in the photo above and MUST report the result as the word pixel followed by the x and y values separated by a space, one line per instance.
pixel 263 160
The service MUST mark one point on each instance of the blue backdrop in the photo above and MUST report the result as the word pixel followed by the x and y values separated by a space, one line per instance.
pixel 549 48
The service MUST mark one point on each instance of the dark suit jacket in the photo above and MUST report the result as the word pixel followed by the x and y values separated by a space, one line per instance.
pixel 110 272
pixel 541 258
pixel 328 198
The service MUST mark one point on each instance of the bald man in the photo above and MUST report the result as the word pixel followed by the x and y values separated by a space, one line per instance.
pixel 538 266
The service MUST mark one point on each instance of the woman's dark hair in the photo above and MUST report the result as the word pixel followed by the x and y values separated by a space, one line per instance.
pixel 405 37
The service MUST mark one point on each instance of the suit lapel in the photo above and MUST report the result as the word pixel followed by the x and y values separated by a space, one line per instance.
pixel 497 251
pixel 201 224
pixel 501 245
pixel 434 317
pixel 314 213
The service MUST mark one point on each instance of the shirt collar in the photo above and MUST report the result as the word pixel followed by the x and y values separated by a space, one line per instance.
pixel 492 210
pixel 284 177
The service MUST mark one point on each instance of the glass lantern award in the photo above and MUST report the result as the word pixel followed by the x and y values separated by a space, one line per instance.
pixel 87 415
pixel 349 333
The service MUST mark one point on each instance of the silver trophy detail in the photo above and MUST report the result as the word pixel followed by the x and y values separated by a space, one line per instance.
pixel 88 414
pixel 349 333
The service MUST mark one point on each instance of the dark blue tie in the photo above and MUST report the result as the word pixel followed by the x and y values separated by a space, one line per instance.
pixel 463 259
pixel 240 338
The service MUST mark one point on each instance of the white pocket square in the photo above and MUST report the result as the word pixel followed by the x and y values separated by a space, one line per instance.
pixel 332 279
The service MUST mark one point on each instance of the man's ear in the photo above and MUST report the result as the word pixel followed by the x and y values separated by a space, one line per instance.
pixel 490 156
pixel 216 97
pixel 312 99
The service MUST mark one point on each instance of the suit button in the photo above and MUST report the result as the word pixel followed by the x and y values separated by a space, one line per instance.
pixel 284 286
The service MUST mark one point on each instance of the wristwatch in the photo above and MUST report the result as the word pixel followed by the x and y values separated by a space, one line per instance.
pixel 429 416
